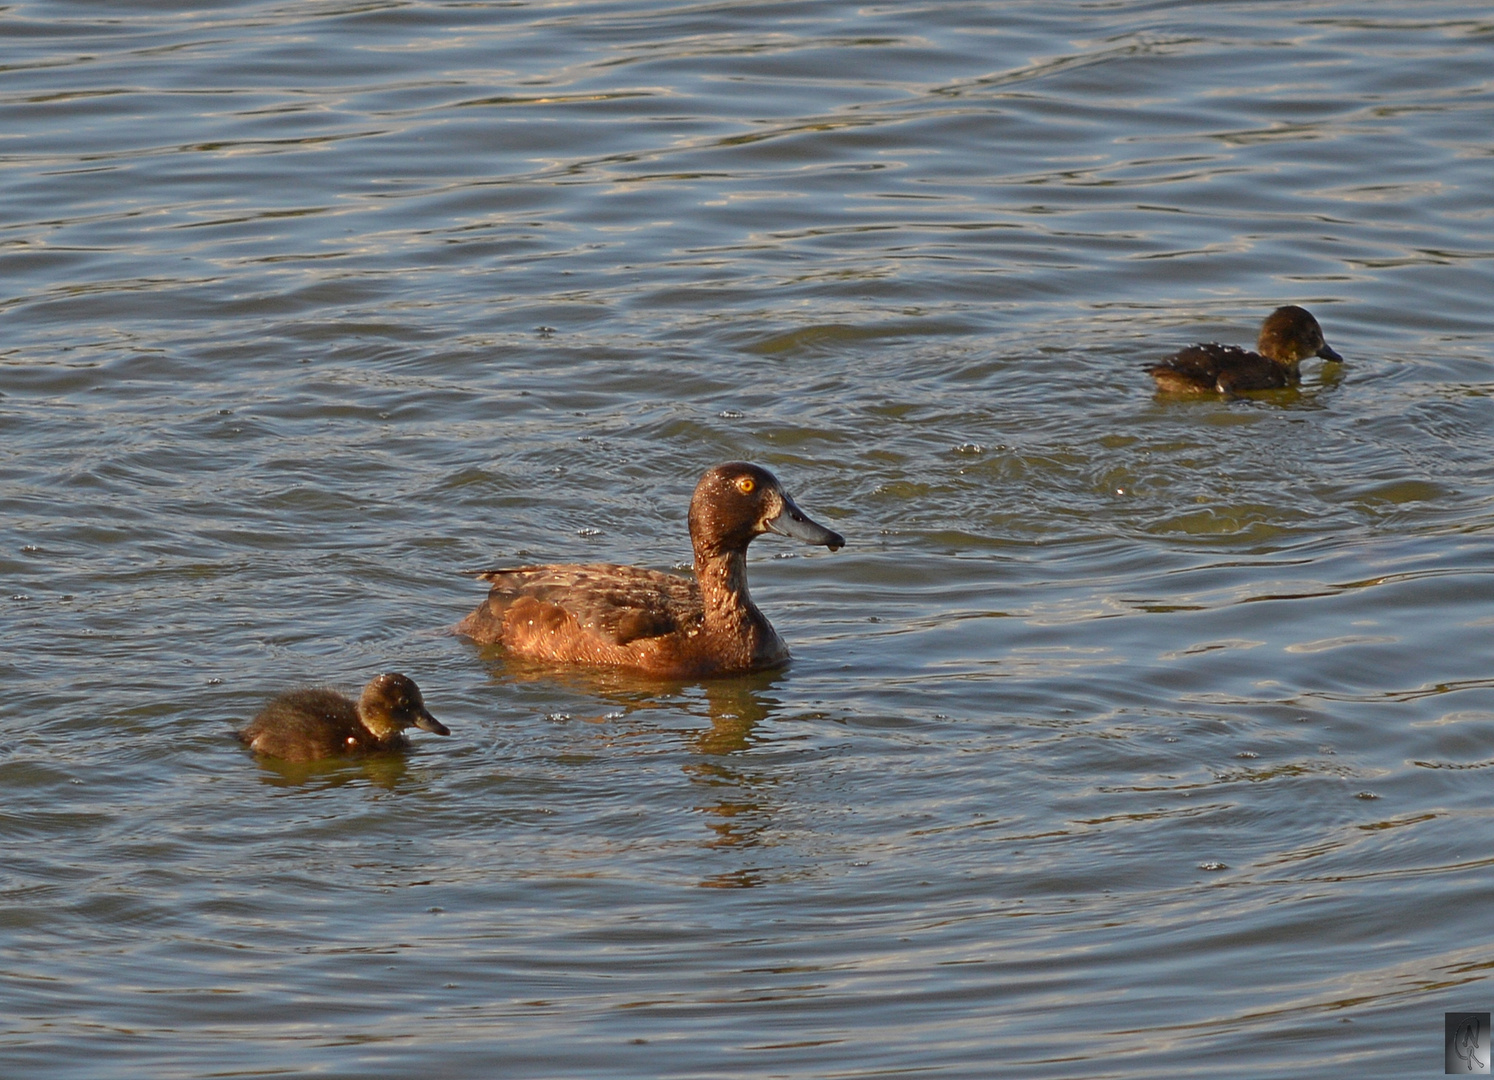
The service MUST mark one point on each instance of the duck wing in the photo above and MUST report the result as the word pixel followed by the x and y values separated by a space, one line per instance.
pixel 616 604
pixel 1202 363
pixel 1225 368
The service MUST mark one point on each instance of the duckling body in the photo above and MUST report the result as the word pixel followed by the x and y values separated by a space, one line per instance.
pixel 662 624
pixel 1288 335
pixel 306 725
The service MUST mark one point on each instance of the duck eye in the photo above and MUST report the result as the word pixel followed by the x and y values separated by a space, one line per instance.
pixel 746 485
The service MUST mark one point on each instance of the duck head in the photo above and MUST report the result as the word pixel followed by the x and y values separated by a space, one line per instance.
pixel 1290 334
pixel 737 502
pixel 392 702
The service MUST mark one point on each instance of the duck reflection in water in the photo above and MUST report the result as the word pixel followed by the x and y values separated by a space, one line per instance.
pixel 738 805
pixel 734 705
pixel 386 771
pixel 735 802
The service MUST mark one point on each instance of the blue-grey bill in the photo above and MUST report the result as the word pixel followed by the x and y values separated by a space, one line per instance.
pixel 791 521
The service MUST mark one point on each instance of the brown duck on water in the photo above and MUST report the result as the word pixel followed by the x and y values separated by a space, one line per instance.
pixel 305 725
pixel 1288 336
pixel 662 624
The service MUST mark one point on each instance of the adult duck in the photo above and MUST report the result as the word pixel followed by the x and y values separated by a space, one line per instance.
pixel 661 624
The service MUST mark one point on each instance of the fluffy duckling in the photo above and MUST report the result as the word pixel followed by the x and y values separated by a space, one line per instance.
pixel 662 624
pixel 304 725
pixel 1288 335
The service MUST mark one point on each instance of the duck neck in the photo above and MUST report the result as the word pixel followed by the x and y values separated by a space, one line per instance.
pixel 731 618
pixel 723 591
pixel 379 725
pixel 723 584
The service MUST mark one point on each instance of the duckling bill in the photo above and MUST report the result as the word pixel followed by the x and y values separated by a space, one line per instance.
pixel 662 624
pixel 307 725
pixel 1288 336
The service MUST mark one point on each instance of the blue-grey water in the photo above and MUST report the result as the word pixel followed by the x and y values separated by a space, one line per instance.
pixel 1126 738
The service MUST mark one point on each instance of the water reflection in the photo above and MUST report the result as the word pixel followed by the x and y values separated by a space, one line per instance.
pixel 737 808
pixel 734 794
pixel 733 705
pixel 385 770
pixel 1313 393
pixel 622 690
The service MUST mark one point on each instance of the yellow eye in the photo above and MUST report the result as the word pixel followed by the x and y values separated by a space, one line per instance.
pixel 746 485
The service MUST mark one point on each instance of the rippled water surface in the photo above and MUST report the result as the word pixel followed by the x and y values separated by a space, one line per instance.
pixel 1126 738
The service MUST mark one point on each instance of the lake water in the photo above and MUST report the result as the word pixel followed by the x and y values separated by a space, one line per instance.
pixel 1126 738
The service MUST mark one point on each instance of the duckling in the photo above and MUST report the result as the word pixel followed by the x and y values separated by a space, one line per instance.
pixel 1288 335
pixel 661 624
pixel 304 725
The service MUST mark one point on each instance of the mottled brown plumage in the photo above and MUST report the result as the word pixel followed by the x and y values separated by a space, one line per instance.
pixel 662 624
pixel 1288 336
pixel 305 725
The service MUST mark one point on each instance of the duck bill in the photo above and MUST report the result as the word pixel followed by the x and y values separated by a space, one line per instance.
pixel 426 722
pixel 1327 353
pixel 793 522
